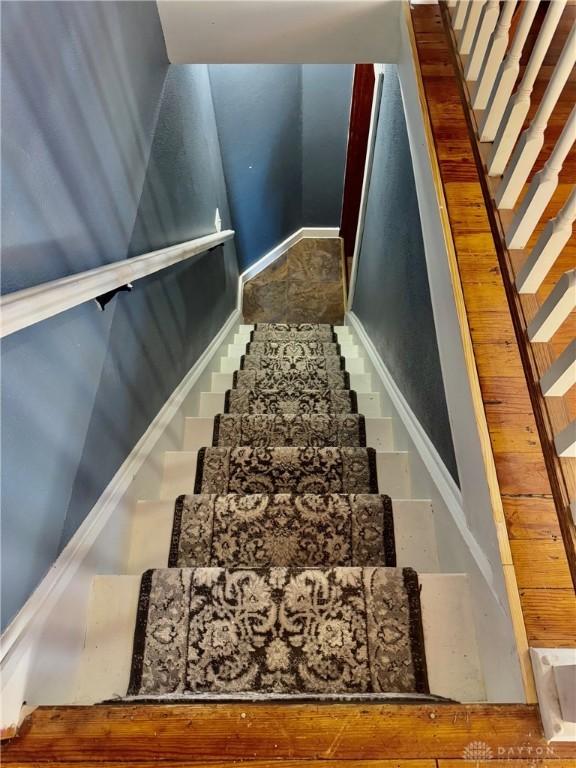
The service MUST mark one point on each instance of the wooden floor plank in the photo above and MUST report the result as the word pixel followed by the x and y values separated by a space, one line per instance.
pixel 531 480
pixel 140 733
pixel 272 763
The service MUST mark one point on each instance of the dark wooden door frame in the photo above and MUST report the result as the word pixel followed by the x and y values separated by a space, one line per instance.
pixel 358 134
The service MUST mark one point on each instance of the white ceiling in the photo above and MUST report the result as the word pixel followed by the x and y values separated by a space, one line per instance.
pixel 281 31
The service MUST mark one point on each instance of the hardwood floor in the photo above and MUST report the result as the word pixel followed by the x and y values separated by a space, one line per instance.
pixel 530 499
pixel 266 735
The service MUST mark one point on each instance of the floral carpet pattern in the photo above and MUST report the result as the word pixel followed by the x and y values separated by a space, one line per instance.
pixel 278 630
pixel 274 401
pixel 282 529
pixel 286 470
pixel 288 364
pixel 232 430
pixel 293 348
pixel 281 577
pixel 291 382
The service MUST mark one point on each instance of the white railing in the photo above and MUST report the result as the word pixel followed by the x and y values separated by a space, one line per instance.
pixel 491 65
pixel 32 305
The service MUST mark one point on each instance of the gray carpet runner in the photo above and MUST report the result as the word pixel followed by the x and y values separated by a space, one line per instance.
pixel 278 631
pixel 286 470
pixel 293 331
pixel 304 530
pixel 232 430
pixel 287 364
pixel 275 401
pixel 292 382
pixel 281 580
pixel 293 348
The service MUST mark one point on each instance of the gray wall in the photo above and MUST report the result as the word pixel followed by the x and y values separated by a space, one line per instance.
pixel 326 97
pixel 392 297
pixel 283 131
pixel 81 95
pixel 258 111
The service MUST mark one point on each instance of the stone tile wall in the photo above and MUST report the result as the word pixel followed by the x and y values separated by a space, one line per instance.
pixel 305 285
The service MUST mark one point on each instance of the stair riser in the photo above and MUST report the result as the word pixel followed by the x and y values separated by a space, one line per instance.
pixel 393 474
pixel 447 620
pixel 346 349
pixel 359 382
pixel 212 403
pixel 151 530
pixel 198 433
pixel 231 364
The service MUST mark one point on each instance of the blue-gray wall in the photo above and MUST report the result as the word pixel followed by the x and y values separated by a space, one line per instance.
pixel 87 181
pixel 283 132
pixel 258 111
pixel 326 98
pixel 392 297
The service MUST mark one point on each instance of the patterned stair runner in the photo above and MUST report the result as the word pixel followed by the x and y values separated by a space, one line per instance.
pixel 281 576
pixel 282 529
pixel 278 630
pixel 307 429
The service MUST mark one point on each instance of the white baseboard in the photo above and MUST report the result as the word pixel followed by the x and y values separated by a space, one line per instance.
pixel 458 548
pixel 439 474
pixel 65 587
pixel 280 250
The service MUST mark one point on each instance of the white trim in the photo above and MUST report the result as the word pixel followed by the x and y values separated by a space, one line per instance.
pixel 32 305
pixel 443 480
pixel 279 250
pixel 80 557
pixel 379 79
pixel 545 663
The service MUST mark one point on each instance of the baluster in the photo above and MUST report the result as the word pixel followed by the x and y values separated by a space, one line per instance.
pixel 470 27
pixel 532 140
pixel 541 188
pixel 487 24
pixel 555 310
pixel 565 442
pixel 460 14
pixel 519 105
pixel 494 57
pixel 452 3
pixel 552 240
pixel 562 373
pixel 507 75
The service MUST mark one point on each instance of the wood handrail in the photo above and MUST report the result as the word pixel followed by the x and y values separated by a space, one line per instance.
pixel 21 309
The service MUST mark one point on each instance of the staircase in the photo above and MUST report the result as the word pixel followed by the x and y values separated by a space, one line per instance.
pixel 285 557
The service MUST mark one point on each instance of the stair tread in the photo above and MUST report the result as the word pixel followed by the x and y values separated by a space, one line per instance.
pixel 258 530
pixel 306 401
pixel 321 430
pixel 286 469
pixel 293 348
pixel 289 363
pixel 152 539
pixel 450 647
pixel 232 429
pixel 376 471
pixel 290 383
pixel 358 382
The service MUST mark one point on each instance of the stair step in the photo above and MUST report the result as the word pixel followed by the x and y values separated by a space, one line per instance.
pixel 212 403
pixel 231 364
pixel 199 432
pixel 359 382
pixel 392 472
pixel 347 349
pixel 343 333
pixel 151 531
pixel 448 629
